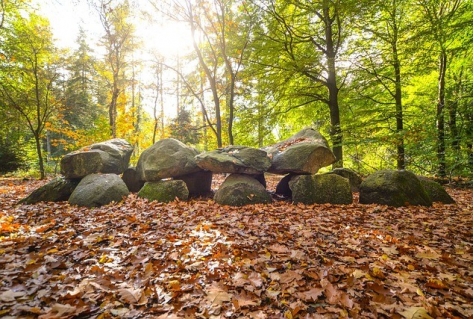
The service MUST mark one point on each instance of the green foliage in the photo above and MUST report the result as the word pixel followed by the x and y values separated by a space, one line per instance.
pixel 183 129
pixel 11 157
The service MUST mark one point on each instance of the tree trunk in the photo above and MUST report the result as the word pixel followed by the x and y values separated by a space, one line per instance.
pixel 441 147
pixel 336 131
pixel 113 112
pixel 398 109
pixel 231 112
pixel 40 155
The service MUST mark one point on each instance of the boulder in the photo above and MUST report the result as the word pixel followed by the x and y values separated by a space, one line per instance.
pixel 83 163
pixel 198 184
pixel 96 190
pixel 303 153
pixel 234 160
pixel 132 180
pixel 393 188
pixel 320 189
pixel 436 192
pixel 164 191
pixel 353 177
pixel 111 156
pixel 57 190
pixel 241 189
pixel 119 151
pixel 167 158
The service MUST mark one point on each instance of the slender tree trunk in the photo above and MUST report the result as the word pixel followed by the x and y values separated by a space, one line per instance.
pixel 441 149
pixel 40 155
pixel 336 131
pixel 113 108
pixel 231 113
pixel 398 109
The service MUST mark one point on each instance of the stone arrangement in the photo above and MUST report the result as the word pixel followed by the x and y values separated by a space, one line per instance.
pixel 170 170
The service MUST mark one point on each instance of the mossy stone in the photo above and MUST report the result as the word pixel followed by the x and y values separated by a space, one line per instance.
pixel 240 190
pixel 320 189
pixel 393 188
pixel 164 191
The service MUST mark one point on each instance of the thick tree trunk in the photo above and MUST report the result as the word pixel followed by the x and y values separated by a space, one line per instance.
pixel 441 147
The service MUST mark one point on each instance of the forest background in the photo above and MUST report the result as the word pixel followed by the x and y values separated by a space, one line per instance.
pixel 389 83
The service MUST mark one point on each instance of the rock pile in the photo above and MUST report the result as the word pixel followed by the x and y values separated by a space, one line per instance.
pixel 170 170
pixel 90 176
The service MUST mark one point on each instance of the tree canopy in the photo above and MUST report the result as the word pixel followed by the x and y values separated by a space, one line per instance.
pixel 389 83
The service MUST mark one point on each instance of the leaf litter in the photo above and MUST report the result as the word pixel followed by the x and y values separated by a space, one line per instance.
pixel 197 259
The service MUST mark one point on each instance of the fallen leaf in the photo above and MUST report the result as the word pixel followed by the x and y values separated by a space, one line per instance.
pixel 217 295
pixel 415 313
pixel 130 296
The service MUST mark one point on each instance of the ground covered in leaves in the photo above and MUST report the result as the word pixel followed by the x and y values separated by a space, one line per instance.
pixel 197 259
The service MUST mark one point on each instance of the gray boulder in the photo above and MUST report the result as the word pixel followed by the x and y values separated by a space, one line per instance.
pixel 436 192
pixel 96 190
pixel 303 153
pixel 164 191
pixel 353 177
pixel 320 189
pixel 234 160
pixel 167 158
pixel 111 156
pixel 198 184
pixel 132 180
pixel 57 190
pixel 393 188
pixel 240 189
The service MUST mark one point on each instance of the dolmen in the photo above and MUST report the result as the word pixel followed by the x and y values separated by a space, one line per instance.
pixel 90 176
pixel 170 170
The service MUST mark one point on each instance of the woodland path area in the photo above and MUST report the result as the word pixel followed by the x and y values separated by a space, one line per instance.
pixel 197 259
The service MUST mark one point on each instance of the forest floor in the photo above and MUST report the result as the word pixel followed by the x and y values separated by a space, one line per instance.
pixel 197 259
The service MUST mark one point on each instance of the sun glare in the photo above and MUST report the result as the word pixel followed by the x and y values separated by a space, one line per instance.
pixel 169 40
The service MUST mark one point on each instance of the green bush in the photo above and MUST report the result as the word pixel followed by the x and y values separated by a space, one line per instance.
pixel 11 158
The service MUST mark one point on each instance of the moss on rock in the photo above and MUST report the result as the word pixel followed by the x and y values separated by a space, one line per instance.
pixel 164 191
pixel 320 189
pixel 240 190
pixel 393 188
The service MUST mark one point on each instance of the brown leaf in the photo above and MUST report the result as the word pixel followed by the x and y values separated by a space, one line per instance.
pixel 244 300
pixel 130 295
pixel 415 313
pixel 310 295
pixel 217 294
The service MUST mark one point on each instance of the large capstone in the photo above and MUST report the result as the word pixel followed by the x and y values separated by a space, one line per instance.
pixel 112 156
pixel 320 189
pixel 96 190
pixel 234 160
pixel 164 191
pixel 303 153
pixel 167 158
pixel 240 189
pixel 393 188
